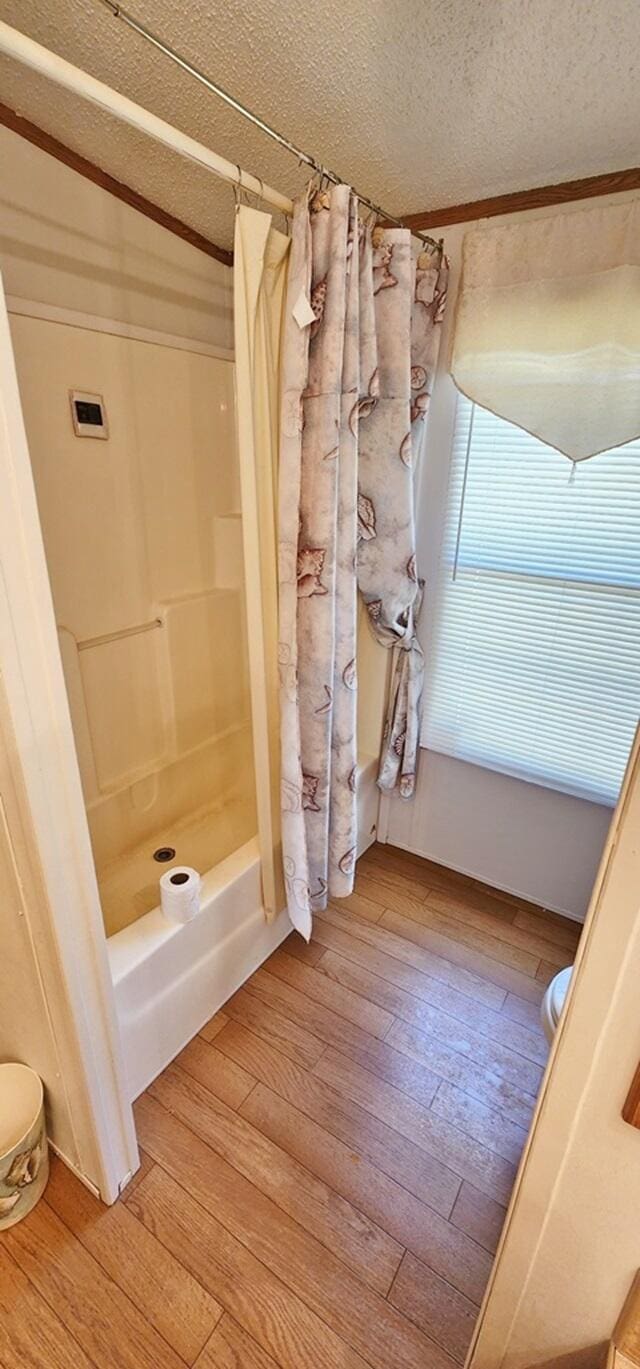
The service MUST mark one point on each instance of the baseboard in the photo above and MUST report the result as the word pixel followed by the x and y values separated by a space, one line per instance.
pixel 472 874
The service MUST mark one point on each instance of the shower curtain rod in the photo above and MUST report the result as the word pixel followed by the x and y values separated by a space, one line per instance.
pixel 40 59
pixel 31 54
pixel 119 12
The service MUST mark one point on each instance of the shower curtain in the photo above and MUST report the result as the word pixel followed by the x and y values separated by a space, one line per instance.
pixel 347 411
pixel 322 380
pixel 410 292
pixel 260 275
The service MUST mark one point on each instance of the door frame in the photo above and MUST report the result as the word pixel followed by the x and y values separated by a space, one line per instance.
pixel 76 982
pixel 600 965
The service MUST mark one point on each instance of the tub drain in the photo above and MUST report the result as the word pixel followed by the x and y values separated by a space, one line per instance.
pixel 164 853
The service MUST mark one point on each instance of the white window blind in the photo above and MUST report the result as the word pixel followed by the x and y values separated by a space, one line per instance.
pixel 534 656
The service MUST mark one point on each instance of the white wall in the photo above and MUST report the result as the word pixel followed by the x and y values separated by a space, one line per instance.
pixel 64 241
pixel 533 841
pixel 571 1244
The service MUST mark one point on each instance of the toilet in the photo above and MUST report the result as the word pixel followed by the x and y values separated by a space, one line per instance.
pixel 553 1002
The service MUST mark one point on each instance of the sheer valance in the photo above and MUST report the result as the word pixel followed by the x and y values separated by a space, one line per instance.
pixel 547 330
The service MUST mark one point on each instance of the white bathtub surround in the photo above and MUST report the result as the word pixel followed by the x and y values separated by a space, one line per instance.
pixel 368 802
pixel 169 979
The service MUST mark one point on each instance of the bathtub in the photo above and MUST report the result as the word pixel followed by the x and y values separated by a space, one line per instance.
pixel 169 979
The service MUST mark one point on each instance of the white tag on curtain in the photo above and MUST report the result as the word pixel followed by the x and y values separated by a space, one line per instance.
pixel 302 311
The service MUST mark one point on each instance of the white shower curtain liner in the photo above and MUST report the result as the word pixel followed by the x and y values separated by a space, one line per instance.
pixel 260 275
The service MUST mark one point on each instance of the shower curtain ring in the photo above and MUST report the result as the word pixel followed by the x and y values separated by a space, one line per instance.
pixel 257 198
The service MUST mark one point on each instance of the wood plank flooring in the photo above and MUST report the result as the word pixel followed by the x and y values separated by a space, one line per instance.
pixel 326 1167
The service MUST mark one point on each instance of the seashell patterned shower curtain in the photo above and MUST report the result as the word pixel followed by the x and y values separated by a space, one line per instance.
pixel 359 350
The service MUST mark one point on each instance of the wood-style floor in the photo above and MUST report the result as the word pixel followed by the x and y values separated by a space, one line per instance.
pixel 326 1167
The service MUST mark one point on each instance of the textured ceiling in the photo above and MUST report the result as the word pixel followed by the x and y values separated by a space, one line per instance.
pixel 418 103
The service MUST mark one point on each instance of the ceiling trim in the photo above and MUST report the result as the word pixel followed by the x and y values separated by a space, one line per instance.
pixel 47 143
pixel 537 198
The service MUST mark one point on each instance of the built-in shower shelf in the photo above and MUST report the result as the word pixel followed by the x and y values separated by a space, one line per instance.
pixel 85 643
pixel 143 699
pixel 228 555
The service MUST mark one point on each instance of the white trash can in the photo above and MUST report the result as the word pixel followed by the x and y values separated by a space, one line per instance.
pixel 24 1153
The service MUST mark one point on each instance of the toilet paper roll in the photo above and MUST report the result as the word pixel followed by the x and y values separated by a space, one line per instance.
pixel 180 893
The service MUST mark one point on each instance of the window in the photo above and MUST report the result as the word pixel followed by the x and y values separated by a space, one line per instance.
pixel 533 666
